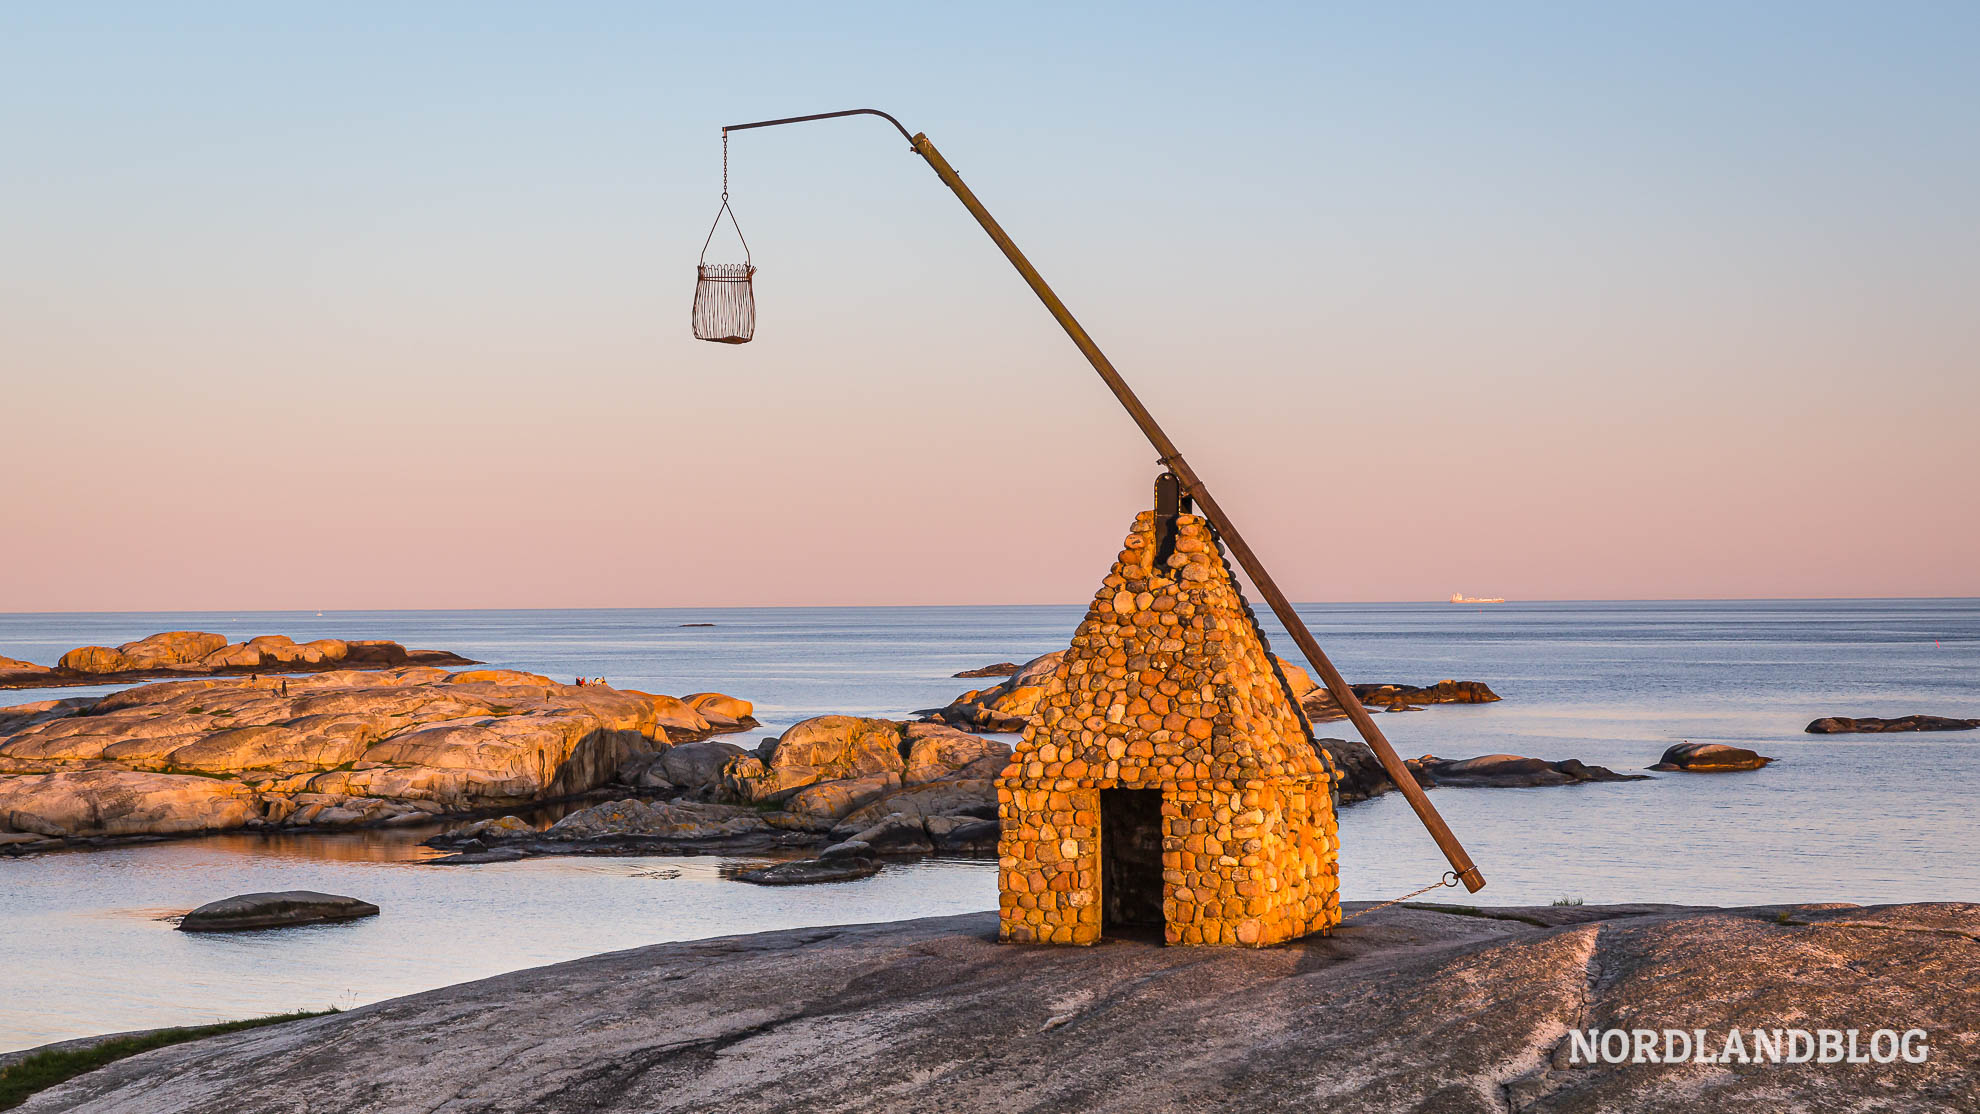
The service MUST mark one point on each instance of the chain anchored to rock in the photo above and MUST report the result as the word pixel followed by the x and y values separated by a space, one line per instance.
pixel 1450 878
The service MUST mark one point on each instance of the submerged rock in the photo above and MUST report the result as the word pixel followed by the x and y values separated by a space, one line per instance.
pixel 470 857
pixel 1839 725
pixel 1709 758
pixel 274 910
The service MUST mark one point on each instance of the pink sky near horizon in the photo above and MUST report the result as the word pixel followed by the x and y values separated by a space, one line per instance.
pixel 437 358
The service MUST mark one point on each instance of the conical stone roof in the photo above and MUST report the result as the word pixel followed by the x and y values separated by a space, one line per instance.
pixel 1167 679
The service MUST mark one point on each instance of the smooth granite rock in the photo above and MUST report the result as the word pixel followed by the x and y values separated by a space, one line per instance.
pixel 1001 708
pixel 1709 758
pixel 834 766
pixel 14 671
pixel 673 820
pixel 274 910
pixel 1403 1010
pixel 1510 771
pixel 721 710
pixel 697 764
pixel 121 803
pixel 199 653
pixel 325 749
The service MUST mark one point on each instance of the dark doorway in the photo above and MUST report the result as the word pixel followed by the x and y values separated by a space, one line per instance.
pixel 1130 861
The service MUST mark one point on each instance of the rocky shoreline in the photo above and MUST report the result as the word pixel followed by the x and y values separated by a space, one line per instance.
pixel 1006 707
pixel 888 787
pixel 176 654
pixel 1446 1009
pixel 857 792
pixel 346 748
pixel 325 751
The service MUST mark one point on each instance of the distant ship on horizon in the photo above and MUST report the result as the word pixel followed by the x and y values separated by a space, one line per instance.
pixel 1460 597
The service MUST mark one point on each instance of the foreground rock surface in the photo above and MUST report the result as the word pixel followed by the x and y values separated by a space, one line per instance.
pixel 334 749
pixel 191 653
pixel 1403 1010
pixel 1842 725
pixel 274 910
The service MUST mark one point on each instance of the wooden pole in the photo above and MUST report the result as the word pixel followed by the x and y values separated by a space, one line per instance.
pixel 1172 458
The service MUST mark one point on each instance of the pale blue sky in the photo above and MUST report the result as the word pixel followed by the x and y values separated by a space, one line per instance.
pixel 1658 300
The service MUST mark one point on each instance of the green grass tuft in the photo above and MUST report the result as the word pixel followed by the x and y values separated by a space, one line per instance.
pixel 43 1070
pixel 1568 901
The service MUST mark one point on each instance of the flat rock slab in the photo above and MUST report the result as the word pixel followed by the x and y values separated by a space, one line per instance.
pixel 274 910
pixel 1402 1010
pixel 1843 725
pixel 805 872
pixel 1510 771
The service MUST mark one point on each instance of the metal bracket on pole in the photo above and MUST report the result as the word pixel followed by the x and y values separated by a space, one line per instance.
pixel 1192 485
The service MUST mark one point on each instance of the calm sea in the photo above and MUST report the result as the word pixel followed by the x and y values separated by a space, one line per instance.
pixel 1863 818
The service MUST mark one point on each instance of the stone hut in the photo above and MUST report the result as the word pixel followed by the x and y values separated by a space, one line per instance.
pixel 1168 780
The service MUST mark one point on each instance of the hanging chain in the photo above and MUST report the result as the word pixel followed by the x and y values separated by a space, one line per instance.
pixel 725 166
pixel 1450 878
